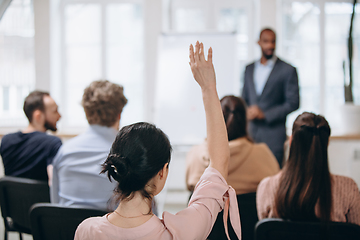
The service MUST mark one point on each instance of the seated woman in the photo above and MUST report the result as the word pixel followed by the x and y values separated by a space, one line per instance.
pixel 139 161
pixel 304 190
pixel 249 163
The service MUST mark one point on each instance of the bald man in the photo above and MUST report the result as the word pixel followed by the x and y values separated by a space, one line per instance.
pixel 271 92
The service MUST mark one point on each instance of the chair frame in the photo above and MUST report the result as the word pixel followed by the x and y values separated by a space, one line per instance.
pixel 323 230
pixel 63 213
pixel 247 210
pixel 8 183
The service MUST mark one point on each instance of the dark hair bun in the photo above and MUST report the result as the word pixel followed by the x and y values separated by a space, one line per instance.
pixel 116 167
pixel 138 153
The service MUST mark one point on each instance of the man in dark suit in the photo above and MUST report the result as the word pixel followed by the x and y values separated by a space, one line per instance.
pixel 271 92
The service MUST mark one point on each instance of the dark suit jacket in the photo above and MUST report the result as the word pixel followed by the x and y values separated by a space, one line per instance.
pixel 279 98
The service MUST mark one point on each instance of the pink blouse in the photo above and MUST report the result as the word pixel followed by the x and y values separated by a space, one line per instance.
pixel 211 195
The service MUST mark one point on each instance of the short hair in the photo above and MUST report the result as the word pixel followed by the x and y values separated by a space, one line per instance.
pixel 265 30
pixel 34 101
pixel 103 101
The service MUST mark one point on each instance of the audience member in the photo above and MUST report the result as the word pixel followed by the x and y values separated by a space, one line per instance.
pixel 29 153
pixel 249 163
pixel 139 161
pixel 304 190
pixel 76 179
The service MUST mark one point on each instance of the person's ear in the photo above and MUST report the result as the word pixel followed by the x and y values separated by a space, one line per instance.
pixel 163 171
pixel 38 116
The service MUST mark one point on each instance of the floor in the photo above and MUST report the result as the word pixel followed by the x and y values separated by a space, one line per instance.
pixel 15 236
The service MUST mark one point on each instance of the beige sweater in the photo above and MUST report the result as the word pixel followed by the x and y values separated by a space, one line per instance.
pixel 249 164
pixel 345 196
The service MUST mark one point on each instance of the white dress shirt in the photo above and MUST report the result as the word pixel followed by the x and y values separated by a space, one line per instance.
pixel 262 73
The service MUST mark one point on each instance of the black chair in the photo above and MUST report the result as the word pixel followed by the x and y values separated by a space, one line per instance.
pixel 56 222
pixel 17 195
pixel 248 218
pixel 279 229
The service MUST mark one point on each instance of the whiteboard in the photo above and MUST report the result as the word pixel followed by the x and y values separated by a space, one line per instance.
pixel 179 110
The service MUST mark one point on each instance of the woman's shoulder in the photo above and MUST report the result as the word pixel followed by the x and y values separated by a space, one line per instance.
pixel 345 192
pixel 343 183
pixel 197 154
pixel 101 228
pixel 93 221
pixel 244 144
pixel 262 148
pixel 269 183
pixel 271 179
pixel 90 227
pixel 340 179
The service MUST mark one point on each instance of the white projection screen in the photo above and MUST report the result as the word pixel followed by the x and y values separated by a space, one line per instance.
pixel 178 104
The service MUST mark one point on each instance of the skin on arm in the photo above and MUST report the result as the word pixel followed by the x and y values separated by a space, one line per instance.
pixel 49 170
pixel 204 74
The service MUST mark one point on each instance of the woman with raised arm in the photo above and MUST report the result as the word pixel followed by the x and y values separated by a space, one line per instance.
pixel 139 161
pixel 304 190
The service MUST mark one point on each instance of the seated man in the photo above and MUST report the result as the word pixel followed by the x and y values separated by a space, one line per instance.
pixel 30 153
pixel 76 178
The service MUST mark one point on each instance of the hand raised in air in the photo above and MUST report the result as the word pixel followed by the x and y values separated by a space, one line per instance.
pixel 202 69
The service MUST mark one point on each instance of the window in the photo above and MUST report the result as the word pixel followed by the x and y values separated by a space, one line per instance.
pixel 17 68
pixel 313 37
pixel 336 54
pixel 219 16
pixel 300 46
pixel 109 46
pixel 236 19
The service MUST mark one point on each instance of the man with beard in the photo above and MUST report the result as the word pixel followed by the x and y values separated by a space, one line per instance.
pixel 29 153
pixel 271 92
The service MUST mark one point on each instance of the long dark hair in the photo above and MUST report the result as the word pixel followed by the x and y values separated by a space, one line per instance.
pixel 138 153
pixel 305 180
pixel 234 111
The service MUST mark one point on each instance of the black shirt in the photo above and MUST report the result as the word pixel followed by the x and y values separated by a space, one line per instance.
pixel 28 154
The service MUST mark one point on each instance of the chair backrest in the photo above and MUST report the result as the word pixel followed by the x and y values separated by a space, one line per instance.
pixel 279 229
pixel 56 222
pixel 248 218
pixel 17 195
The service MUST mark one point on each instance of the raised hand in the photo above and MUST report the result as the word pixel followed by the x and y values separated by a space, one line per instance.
pixel 217 139
pixel 202 69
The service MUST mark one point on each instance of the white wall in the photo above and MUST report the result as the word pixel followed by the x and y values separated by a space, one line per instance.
pixel 268 14
pixel 42 44
pixel 344 158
